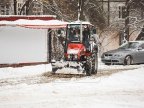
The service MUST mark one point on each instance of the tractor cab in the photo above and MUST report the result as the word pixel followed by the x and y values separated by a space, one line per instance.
pixel 78 40
pixel 78 31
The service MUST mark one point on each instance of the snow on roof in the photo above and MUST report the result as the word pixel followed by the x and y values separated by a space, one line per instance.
pixel 80 22
pixel 5 16
pixel 35 23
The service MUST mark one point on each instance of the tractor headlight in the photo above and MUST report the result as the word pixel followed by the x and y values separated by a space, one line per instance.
pixel 75 56
pixel 68 56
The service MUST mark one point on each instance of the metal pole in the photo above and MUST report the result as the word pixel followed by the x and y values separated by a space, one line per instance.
pixel 79 10
pixel 108 12
pixel 49 46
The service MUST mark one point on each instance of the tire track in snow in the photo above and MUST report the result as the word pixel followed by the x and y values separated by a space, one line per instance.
pixel 49 77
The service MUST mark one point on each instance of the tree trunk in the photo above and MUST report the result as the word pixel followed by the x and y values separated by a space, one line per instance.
pixel 15 7
pixel 26 4
pixel 127 20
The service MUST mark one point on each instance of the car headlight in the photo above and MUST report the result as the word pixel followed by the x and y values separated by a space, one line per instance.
pixel 117 55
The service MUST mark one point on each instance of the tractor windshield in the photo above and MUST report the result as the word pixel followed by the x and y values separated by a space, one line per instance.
pixel 73 33
pixel 79 33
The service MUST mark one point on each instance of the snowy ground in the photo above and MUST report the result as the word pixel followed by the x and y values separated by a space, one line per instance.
pixel 124 89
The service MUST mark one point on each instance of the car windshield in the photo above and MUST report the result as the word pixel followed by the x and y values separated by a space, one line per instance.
pixel 130 45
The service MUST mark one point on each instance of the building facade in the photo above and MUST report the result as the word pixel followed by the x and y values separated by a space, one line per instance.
pixel 6 8
pixel 118 22
pixel 35 7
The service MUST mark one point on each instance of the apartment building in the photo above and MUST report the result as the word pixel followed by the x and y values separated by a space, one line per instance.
pixel 7 8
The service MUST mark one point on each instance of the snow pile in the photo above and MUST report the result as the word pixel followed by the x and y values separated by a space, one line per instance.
pixel 10 72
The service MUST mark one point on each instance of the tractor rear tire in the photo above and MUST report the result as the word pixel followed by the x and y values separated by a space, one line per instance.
pixel 91 65
pixel 88 66
pixel 95 63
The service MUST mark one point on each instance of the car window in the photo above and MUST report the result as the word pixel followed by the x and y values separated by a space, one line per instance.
pixel 133 45
pixel 130 45
pixel 142 46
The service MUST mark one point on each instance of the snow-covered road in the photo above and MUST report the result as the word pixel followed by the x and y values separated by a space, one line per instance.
pixel 124 89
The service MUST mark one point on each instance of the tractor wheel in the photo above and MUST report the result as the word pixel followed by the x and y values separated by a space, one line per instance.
pixel 91 65
pixel 88 66
pixel 95 63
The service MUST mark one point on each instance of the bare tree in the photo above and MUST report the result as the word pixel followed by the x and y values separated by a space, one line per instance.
pixel 15 7
pixel 27 6
pixel 90 10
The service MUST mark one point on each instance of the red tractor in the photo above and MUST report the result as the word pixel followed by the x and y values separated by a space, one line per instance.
pixel 80 48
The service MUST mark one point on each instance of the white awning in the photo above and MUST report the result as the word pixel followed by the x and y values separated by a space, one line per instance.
pixel 35 24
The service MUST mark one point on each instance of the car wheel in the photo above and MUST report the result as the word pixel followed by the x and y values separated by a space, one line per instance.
pixel 128 60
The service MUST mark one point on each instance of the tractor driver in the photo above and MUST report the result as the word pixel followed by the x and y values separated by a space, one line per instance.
pixel 77 34
pixel 74 34
pixel 86 37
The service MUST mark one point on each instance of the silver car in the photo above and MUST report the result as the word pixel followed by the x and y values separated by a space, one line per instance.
pixel 129 53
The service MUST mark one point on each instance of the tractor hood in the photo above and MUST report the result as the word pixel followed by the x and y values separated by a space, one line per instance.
pixel 75 48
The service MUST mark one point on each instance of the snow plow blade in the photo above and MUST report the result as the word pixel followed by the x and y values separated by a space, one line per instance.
pixel 71 65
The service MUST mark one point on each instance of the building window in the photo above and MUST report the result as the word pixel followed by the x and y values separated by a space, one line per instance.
pixel 19 9
pixel 2 7
pixel 122 11
pixel 7 12
pixel 2 12
pixel 19 5
pixel 7 6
